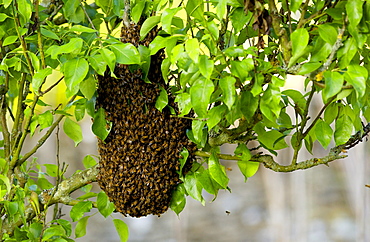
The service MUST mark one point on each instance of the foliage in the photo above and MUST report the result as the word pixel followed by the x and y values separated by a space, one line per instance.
pixel 227 62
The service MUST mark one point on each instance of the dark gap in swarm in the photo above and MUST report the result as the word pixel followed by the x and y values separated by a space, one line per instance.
pixel 140 156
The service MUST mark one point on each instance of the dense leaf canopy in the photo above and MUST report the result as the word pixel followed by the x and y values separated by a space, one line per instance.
pixel 227 63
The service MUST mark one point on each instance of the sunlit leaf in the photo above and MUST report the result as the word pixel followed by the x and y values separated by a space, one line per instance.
pixel 72 130
pixel 217 171
pixel 122 229
pixel 78 210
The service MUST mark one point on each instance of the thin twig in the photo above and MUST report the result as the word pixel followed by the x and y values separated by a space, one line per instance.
pixel 51 87
pixel 19 107
pixel 303 13
pixel 4 127
pixel 92 24
pixel 39 37
pixel 318 116
pixel 43 139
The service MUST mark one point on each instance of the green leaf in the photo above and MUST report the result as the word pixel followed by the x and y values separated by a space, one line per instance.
pixel 78 210
pixel 73 131
pixel 126 54
pixel 215 115
pixel 162 99
pixel 195 8
pixel 354 11
pixel 333 84
pixel 158 43
pixel 248 168
pixel 299 40
pixel 109 59
pixel 49 34
pixel 227 85
pixel 200 93
pixel 193 187
pixel 80 229
pixel 88 87
pixel 43 183
pixel 166 18
pixel 34 60
pixel 184 103
pixel 99 126
pixel 34 231
pixel 297 97
pixel 343 130
pixel 3 16
pixel 75 70
pixel 10 40
pixel 80 28
pixel 192 48
pixel 137 10
pixel 257 87
pixel 52 170
pixel 331 113
pixel 295 5
pixel 122 229
pixel 55 230
pixel 25 9
pixel 45 120
pixel 7 3
pixel 309 67
pixel 105 207
pixel 73 11
pixel 66 226
pixel 99 64
pixel 39 78
pixel 208 183
pixel 73 46
pixel 328 33
pixel 206 66
pixel 273 140
pixel 197 128
pixel 89 161
pixel 249 104
pixel 217 171
pixel 80 108
pixel 184 154
pixel 178 199
pixel 145 61
pixel 148 25
pixel 106 6
pixel 221 9
pixel 324 133
pixel 239 19
pixel 6 181
pixel 357 76
pixel 213 29
pixel 87 196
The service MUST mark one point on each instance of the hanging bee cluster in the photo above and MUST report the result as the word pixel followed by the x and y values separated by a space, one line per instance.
pixel 140 156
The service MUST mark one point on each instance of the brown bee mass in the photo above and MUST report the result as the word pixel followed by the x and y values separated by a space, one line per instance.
pixel 140 156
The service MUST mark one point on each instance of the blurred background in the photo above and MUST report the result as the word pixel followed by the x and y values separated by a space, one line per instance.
pixel 319 204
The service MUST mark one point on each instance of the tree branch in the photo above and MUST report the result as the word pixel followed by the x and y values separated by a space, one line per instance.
pixel 62 195
pixel 280 31
pixel 41 141
pixel 268 160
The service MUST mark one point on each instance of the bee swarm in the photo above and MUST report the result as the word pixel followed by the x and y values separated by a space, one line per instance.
pixel 140 156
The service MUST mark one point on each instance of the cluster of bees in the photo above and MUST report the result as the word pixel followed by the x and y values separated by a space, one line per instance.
pixel 140 157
